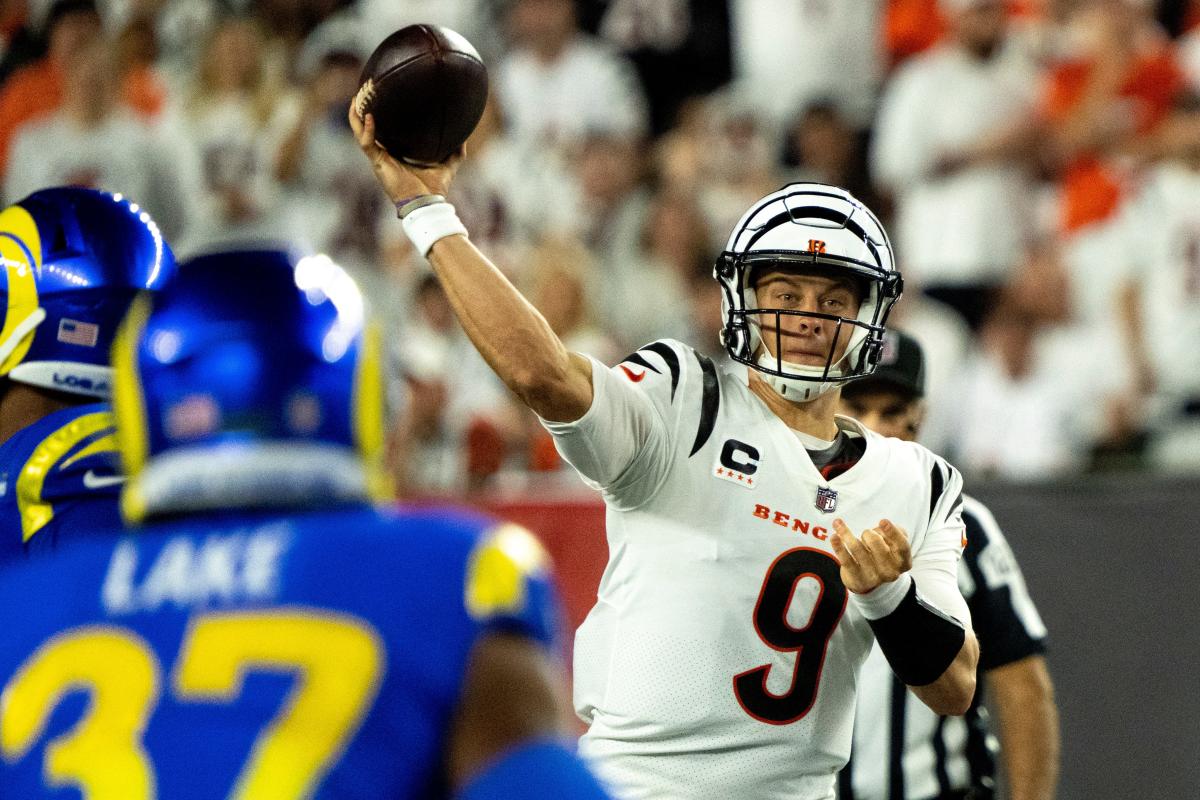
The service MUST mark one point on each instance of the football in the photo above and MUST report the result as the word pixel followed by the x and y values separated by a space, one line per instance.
pixel 426 86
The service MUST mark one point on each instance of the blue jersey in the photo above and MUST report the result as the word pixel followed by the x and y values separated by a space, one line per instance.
pixel 256 656
pixel 58 476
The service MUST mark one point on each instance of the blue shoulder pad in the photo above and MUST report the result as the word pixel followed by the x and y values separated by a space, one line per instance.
pixel 59 473
pixel 508 585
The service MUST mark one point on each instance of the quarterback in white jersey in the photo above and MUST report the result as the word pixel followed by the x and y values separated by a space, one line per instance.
pixel 721 657
pixel 755 541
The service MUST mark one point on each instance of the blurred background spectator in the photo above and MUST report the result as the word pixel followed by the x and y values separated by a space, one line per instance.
pixel 233 115
pixel 89 141
pixel 557 83
pixel 680 48
pixel 36 89
pixel 956 168
pixel 1037 162
pixel 786 54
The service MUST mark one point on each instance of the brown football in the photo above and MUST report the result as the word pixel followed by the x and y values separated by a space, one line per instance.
pixel 426 86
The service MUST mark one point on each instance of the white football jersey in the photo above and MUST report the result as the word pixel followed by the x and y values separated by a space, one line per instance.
pixel 721 657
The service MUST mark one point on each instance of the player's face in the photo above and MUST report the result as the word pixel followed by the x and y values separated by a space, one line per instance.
pixel 804 339
pixel 887 412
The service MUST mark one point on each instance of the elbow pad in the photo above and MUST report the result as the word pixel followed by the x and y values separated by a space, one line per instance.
pixel 919 641
pixel 536 770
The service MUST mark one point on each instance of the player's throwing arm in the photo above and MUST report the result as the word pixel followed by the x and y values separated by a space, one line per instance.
pixel 508 331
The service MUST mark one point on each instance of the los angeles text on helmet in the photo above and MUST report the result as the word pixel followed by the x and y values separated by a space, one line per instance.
pixel 75 383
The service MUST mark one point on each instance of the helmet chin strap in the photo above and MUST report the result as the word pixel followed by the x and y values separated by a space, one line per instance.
pixel 795 390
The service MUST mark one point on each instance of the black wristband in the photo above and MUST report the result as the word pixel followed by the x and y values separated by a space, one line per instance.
pixel 919 641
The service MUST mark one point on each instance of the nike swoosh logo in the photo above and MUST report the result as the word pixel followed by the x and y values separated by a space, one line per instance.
pixel 633 376
pixel 93 481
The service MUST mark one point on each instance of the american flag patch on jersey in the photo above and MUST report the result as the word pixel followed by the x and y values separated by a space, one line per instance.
pixel 72 331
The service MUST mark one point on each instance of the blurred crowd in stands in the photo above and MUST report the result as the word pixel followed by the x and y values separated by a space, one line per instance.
pixel 1037 163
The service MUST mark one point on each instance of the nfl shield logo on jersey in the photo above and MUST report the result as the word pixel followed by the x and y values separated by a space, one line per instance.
pixel 826 499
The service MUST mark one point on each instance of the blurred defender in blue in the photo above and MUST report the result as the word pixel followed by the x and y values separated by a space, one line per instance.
pixel 266 632
pixel 73 260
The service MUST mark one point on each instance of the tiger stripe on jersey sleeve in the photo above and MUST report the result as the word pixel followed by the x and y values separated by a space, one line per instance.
pixel 663 351
pixel 709 383
pixel 936 484
pixel 710 402
pixel 637 358
pixel 942 480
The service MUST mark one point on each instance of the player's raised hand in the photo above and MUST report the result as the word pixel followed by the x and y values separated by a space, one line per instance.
pixel 881 555
pixel 400 179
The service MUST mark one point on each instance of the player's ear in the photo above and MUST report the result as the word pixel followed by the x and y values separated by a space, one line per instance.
pixel 917 410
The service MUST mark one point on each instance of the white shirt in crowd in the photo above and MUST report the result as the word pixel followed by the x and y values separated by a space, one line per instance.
pixel 1158 238
pixel 1189 57
pixel 513 192
pixel 788 53
pixel 1037 425
pixel 970 227
pixel 472 18
pixel 233 148
pixel 590 87
pixel 120 155
pixel 946 342
pixel 334 201
pixel 721 656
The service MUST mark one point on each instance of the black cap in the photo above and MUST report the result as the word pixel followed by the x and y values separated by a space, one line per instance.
pixel 901 368
pixel 64 8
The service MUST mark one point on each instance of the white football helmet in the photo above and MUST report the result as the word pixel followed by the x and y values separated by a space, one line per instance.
pixel 817 228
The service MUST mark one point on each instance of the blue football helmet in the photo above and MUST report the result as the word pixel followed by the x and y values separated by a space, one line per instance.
pixel 251 380
pixel 73 259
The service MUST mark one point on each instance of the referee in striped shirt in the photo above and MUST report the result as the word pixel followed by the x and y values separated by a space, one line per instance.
pixel 902 750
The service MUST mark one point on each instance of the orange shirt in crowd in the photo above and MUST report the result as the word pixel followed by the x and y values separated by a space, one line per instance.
pixel 143 91
pixel 910 27
pixel 1193 16
pixel 913 26
pixel 1091 188
pixel 36 91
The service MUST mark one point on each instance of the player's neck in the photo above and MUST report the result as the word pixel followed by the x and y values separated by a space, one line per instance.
pixel 21 406
pixel 813 417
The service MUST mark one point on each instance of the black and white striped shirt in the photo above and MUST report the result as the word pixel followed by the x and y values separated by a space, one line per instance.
pixel 902 750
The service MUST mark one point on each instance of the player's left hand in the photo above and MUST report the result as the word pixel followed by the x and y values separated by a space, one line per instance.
pixel 879 556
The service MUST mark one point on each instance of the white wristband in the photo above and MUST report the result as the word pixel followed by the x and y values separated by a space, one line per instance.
pixel 428 224
pixel 883 599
